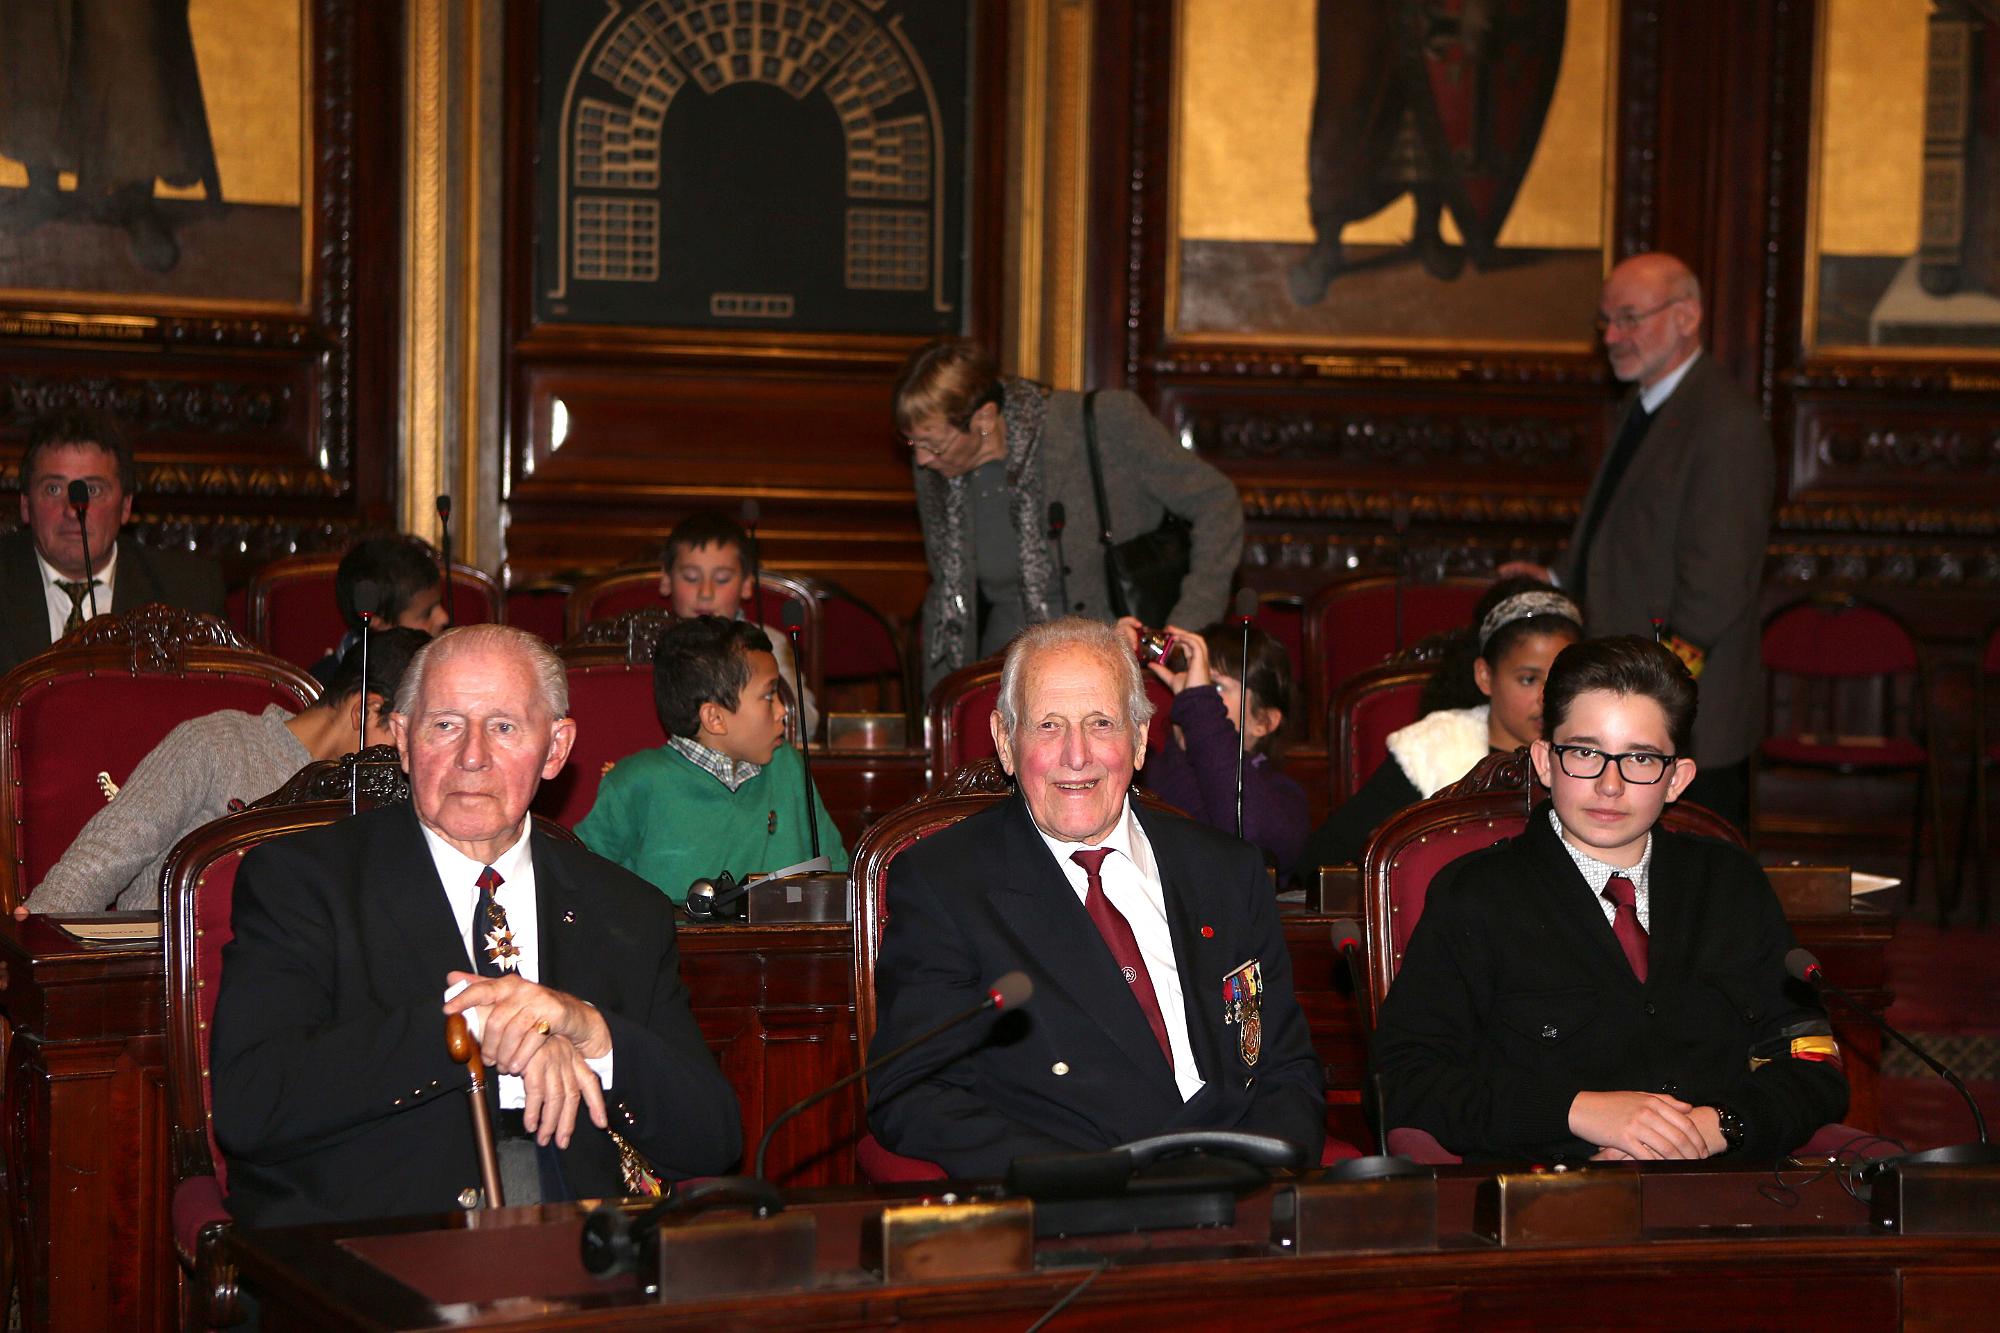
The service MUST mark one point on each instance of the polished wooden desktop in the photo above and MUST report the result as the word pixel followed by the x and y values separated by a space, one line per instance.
pixel 85 1137
pixel 1717 1250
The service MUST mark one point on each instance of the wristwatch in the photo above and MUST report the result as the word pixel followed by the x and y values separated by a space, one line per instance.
pixel 1730 1126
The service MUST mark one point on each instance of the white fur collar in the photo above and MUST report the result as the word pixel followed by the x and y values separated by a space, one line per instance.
pixel 1440 748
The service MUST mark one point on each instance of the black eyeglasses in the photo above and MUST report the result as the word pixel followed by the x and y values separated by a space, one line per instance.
pixel 1640 767
pixel 1627 320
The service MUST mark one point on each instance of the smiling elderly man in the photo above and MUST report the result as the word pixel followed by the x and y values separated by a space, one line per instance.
pixel 1163 991
pixel 334 1095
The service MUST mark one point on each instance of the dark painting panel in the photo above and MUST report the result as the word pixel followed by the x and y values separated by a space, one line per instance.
pixel 795 165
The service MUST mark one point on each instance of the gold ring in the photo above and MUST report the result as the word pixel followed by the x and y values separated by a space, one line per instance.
pixel 542 1027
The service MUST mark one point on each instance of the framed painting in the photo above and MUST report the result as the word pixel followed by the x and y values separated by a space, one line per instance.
pixel 155 156
pixel 1902 254
pixel 778 165
pixel 1391 173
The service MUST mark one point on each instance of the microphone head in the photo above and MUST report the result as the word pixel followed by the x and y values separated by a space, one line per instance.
pixel 1011 991
pixel 367 597
pixel 444 507
pixel 793 616
pixel 1246 603
pixel 1802 966
pixel 1346 934
pixel 751 512
pixel 1057 516
pixel 79 493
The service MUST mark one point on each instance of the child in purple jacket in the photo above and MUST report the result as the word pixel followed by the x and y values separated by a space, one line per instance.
pixel 1196 768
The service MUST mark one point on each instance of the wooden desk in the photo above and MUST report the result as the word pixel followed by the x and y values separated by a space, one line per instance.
pixel 87 1131
pixel 1718 1254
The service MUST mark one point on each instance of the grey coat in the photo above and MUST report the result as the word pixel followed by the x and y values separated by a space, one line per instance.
pixel 1684 539
pixel 1145 475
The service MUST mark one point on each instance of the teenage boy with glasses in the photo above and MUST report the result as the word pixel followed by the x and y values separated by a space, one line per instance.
pixel 1600 987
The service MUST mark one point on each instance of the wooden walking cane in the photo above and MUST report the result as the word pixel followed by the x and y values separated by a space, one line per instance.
pixel 459 1041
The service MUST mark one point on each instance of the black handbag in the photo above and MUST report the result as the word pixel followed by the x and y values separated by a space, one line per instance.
pixel 1143 575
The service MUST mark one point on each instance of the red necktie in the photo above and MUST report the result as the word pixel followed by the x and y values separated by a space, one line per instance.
pixel 1124 945
pixel 1625 925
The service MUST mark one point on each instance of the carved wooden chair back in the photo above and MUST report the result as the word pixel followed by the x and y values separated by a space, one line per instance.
pixel 75 720
pixel 1366 711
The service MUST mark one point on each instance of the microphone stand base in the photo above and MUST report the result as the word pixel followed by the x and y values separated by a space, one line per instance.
pixel 1951 1191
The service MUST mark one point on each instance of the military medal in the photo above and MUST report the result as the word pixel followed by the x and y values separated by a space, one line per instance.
pixel 1243 1007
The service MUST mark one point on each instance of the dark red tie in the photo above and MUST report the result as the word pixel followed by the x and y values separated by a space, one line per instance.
pixel 1625 925
pixel 1124 945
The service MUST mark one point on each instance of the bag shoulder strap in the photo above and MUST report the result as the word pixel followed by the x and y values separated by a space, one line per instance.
pixel 1096 467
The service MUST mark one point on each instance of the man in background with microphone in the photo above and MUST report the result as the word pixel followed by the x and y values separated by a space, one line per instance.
pixel 49 584
pixel 1601 987
pixel 1163 988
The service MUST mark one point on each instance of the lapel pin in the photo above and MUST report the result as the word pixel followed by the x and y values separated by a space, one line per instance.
pixel 1208 932
pixel 569 918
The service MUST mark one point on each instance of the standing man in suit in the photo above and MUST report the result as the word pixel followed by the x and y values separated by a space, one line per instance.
pixel 1163 989
pixel 334 1095
pixel 49 582
pixel 1672 533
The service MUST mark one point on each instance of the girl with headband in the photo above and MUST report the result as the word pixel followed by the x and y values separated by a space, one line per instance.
pixel 1485 698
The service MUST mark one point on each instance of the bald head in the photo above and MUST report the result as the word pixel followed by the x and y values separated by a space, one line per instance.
pixel 1650 312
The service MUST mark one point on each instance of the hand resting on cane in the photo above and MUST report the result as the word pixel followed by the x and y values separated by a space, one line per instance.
pixel 546 1038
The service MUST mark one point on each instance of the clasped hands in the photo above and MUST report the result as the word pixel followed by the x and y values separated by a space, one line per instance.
pixel 1645 1127
pixel 544 1036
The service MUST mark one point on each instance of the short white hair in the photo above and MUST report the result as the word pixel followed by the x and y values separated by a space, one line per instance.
pixel 551 679
pixel 1072 632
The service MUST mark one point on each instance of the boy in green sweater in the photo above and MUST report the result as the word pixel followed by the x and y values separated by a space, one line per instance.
pixel 725 792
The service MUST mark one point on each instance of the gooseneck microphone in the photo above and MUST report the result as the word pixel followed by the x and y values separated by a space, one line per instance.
pixel 1382 1165
pixel 751 512
pixel 444 549
pixel 79 500
pixel 1246 611
pixel 1802 966
pixel 366 598
pixel 610 1235
pixel 1399 520
pixel 795 617
pixel 1058 519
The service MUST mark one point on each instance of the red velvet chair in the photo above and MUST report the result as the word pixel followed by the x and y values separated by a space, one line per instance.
pixel 1849 693
pixel 1352 624
pixel 95 704
pixel 637 588
pixel 961 706
pixel 1365 711
pixel 541 608
pixel 862 647
pixel 966 792
pixel 293 614
pixel 1406 853
pixel 612 703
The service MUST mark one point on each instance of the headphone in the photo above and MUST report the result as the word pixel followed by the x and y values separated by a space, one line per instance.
pixel 718 899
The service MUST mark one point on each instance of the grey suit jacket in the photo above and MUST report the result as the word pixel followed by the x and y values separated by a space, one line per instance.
pixel 173 577
pixel 1683 539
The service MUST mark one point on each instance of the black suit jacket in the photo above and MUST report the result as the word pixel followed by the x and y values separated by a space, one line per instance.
pixel 334 1096
pixel 1514 996
pixel 173 577
pixel 1683 539
pixel 1077 1067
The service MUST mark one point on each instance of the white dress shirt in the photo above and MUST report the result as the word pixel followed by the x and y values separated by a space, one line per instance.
pixel 1598 873
pixel 58 600
pixel 1131 880
pixel 459 874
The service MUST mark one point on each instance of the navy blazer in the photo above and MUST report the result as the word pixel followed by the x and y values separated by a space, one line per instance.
pixel 1078 1067
pixel 334 1095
